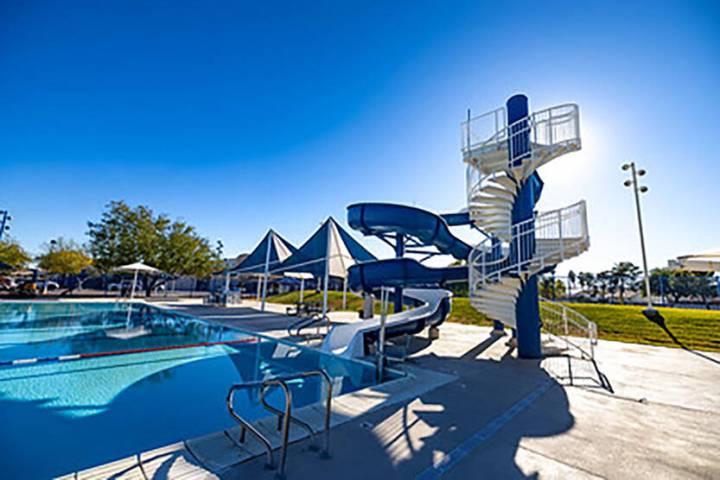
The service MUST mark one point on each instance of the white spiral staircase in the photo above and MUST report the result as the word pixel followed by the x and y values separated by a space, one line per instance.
pixel 497 166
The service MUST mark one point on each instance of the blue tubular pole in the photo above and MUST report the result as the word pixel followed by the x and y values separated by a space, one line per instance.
pixel 527 309
pixel 495 255
pixel 399 253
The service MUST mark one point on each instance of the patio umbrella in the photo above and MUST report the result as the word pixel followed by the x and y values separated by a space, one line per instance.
pixel 136 268
pixel 5 266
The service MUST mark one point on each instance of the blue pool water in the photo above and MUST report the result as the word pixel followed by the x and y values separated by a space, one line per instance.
pixel 62 417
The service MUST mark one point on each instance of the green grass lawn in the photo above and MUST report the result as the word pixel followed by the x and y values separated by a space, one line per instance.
pixel 696 329
pixel 462 312
pixel 354 302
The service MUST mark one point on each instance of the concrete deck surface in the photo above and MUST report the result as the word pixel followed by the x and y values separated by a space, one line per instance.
pixel 503 417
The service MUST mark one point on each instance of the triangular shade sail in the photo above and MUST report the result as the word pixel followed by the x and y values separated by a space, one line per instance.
pixel 332 241
pixel 280 250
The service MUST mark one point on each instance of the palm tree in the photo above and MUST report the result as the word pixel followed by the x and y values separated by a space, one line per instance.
pixel 602 283
pixel 586 280
pixel 624 275
pixel 571 280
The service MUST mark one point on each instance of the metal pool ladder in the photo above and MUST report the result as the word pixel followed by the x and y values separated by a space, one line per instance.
pixel 284 417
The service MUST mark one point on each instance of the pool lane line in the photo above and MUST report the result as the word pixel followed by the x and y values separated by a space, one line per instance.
pixel 458 453
pixel 129 351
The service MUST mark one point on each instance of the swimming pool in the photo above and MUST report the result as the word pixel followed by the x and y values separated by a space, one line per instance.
pixel 60 416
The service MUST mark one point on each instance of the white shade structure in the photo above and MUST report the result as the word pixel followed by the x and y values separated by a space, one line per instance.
pixel 135 269
pixel 329 252
pixel 701 262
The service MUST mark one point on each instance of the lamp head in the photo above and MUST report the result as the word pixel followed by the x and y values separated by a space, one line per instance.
pixel 626 166
pixel 641 172
pixel 643 189
pixel 627 183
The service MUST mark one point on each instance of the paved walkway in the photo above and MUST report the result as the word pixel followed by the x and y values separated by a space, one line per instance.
pixel 509 418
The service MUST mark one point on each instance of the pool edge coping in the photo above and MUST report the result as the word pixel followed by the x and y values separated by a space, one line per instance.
pixel 203 455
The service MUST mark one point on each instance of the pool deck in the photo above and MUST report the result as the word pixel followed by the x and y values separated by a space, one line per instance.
pixel 470 408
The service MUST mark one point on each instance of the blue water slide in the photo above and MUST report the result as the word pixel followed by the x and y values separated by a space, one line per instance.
pixel 401 272
pixel 432 305
pixel 429 228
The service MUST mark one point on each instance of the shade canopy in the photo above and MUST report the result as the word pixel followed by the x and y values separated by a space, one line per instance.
pixel 331 242
pixel 299 275
pixel 138 267
pixel 5 266
pixel 701 262
pixel 279 250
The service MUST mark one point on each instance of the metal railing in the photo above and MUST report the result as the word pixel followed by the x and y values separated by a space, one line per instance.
pixel 563 231
pixel 569 325
pixel 531 139
pixel 554 126
pixel 284 417
pixel 295 329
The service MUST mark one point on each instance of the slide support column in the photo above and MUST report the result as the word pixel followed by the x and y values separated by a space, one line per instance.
pixel 399 253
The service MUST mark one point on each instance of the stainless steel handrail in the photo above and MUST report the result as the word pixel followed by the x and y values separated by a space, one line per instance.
pixel 283 417
pixel 244 424
pixel 280 415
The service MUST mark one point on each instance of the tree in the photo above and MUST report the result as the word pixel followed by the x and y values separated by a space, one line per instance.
pixel 64 257
pixel 680 285
pixel 13 254
pixel 127 235
pixel 603 283
pixel 571 279
pixel 683 284
pixel 660 282
pixel 551 288
pixel 624 276
pixel 702 287
pixel 586 280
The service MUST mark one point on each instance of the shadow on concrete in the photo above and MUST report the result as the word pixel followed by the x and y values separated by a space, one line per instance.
pixel 482 346
pixel 471 426
pixel 659 320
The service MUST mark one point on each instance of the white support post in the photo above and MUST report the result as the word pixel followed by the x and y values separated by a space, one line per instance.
pixel 266 273
pixel 560 234
pixel 132 290
pixel 384 301
pixel 302 289
pixel 327 271
pixel 345 287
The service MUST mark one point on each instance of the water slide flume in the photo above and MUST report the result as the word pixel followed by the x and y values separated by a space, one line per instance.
pixel 413 227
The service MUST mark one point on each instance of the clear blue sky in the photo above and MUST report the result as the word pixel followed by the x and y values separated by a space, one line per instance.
pixel 238 117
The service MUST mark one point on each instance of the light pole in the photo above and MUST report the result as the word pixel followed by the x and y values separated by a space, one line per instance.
pixel 226 287
pixel 53 243
pixel 637 190
pixel 4 220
